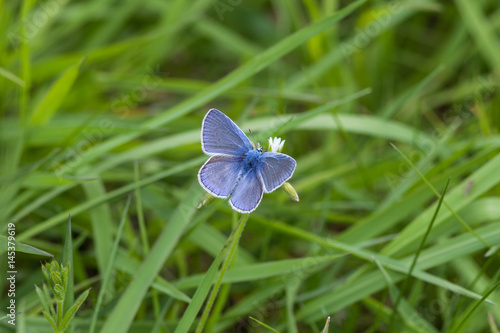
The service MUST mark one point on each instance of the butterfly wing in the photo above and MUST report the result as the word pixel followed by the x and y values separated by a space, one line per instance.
pixel 248 193
pixel 275 169
pixel 219 175
pixel 220 135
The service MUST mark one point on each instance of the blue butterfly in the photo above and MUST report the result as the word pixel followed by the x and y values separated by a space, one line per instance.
pixel 236 168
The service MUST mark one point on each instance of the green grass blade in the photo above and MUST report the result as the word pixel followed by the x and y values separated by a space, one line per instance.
pixel 102 226
pixel 50 103
pixel 11 76
pixel 481 30
pixel 67 259
pixel 247 70
pixel 21 247
pixel 269 328
pixel 417 254
pixel 107 273
pixel 410 316
pixel 264 270
pixel 483 180
pixel 457 327
pixel 240 226
pixel 205 285
pixel 126 308
pixel 55 220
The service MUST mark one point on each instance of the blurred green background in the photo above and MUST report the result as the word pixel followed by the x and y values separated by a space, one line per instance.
pixel 102 101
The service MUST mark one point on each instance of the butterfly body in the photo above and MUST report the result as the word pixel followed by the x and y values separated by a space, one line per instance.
pixel 236 169
pixel 252 160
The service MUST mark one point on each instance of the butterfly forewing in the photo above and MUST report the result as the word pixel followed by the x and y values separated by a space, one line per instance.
pixel 275 169
pixel 220 135
pixel 248 193
pixel 219 174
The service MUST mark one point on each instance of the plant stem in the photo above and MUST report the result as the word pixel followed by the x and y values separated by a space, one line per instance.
pixel 60 307
pixel 240 226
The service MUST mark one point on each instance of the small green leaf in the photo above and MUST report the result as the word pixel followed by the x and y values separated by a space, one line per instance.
pixel 51 321
pixel 83 296
pixel 72 311
pixel 50 103
pixel 46 303
pixel 59 292
pixel 47 296
pixel 56 277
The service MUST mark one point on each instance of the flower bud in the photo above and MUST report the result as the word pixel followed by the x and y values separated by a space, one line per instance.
pixel 290 191
pixel 207 199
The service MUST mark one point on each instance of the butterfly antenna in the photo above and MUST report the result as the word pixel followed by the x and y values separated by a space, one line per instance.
pixel 253 137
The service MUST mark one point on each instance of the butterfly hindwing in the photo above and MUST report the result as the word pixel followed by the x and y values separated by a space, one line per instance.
pixel 248 193
pixel 219 174
pixel 275 169
pixel 220 135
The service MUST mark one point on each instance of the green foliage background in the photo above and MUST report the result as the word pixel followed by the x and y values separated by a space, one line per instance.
pixel 101 100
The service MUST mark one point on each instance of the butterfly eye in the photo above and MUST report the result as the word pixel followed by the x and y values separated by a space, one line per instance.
pixel 259 149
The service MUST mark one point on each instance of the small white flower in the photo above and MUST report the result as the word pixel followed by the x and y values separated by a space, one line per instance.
pixel 276 145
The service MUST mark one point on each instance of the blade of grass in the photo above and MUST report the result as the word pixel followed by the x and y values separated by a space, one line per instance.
pixel 107 273
pixel 159 320
pixel 25 51
pixel 458 327
pixel 123 313
pixel 480 28
pixel 327 325
pixel 130 265
pixel 292 286
pixel 67 259
pixel 55 220
pixel 102 226
pixel 412 319
pixel 264 270
pixel 21 247
pixel 50 103
pixel 203 289
pixel 390 248
pixel 245 71
pixel 269 328
pixel 381 220
pixel 215 290
pixel 373 282
pixel 492 324
pixel 409 94
pixel 11 76
pixel 140 214
pixel 417 254
pixel 262 125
